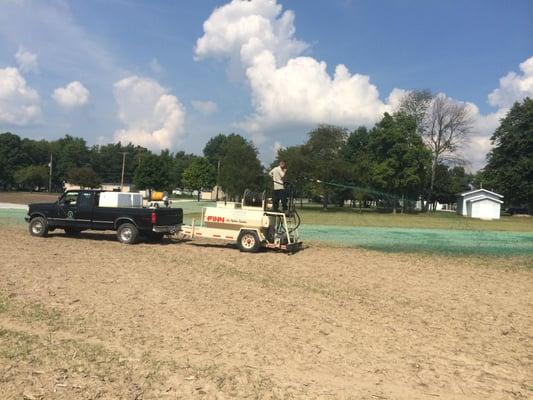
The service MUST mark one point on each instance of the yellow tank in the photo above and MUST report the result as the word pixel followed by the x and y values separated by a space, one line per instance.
pixel 158 196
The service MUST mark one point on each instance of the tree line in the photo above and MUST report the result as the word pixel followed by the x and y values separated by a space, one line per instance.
pixel 24 164
pixel 415 154
pixel 412 154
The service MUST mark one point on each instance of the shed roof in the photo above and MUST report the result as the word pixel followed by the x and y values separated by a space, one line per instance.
pixel 481 197
pixel 480 190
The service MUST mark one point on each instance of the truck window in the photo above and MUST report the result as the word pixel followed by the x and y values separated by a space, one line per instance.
pixel 84 199
pixel 71 198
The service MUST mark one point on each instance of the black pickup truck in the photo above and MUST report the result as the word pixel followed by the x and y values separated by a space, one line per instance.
pixel 79 210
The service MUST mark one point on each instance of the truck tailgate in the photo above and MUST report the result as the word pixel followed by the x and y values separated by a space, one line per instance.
pixel 169 216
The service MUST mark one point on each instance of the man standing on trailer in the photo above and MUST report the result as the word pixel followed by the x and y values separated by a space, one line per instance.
pixel 278 175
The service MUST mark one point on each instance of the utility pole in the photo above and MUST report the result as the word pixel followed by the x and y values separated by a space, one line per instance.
pixel 50 177
pixel 123 165
pixel 218 176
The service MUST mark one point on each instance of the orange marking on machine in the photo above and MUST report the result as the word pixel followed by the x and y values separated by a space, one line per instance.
pixel 214 218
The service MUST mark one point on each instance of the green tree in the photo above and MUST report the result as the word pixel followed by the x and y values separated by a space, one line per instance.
pixel 200 174
pixel 356 153
pixel 32 176
pixel 12 158
pixel 84 176
pixel 36 151
pixel 69 152
pixel 416 104
pixel 240 168
pixel 509 169
pixel 150 174
pixel 298 167
pixel 214 148
pixel 400 160
pixel 323 151
pixel 180 163
pixel 107 161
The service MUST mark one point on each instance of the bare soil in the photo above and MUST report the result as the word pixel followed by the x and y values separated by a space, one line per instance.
pixel 87 318
pixel 27 198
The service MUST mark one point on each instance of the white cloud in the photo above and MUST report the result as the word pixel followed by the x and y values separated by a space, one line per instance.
pixel 243 29
pixel 153 118
pixel 205 107
pixel 478 143
pixel 72 95
pixel 287 88
pixel 291 91
pixel 19 103
pixel 514 86
pixel 27 61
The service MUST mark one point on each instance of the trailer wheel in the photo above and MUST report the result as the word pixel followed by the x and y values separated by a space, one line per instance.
pixel 38 227
pixel 248 242
pixel 127 233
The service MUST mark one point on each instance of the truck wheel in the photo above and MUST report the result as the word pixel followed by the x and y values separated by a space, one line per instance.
pixel 38 227
pixel 127 233
pixel 72 231
pixel 248 242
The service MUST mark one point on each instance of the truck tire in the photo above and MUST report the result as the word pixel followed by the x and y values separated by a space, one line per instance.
pixel 72 231
pixel 38 227
pixel 248 242
pixel 127 233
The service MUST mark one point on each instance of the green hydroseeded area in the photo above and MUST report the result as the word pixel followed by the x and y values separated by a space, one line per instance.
pixel 12 216
pixel 457 242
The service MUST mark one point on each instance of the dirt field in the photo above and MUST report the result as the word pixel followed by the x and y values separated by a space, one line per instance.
pixel 26 198
pixel 91 318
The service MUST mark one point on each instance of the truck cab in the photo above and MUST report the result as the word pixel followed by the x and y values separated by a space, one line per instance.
pixel 79 210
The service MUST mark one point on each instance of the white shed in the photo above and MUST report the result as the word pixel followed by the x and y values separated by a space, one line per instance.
pixel 480 203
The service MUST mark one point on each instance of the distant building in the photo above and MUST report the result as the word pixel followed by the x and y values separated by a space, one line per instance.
pixel 212 194
pixel 480 203
pixel 109 187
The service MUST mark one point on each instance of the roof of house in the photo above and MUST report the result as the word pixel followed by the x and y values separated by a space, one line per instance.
pixel 480 190
pixel 481 197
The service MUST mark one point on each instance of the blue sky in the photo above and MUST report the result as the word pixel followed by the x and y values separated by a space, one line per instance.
pixel 134 70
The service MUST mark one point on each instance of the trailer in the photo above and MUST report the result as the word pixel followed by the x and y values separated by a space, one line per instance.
pixel 251 224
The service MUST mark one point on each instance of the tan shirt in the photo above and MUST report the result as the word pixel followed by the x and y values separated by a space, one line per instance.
pixel 277 175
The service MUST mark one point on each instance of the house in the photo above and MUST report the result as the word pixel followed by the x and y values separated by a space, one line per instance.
pixel 480 203
pixel 215 194
pixel 109 187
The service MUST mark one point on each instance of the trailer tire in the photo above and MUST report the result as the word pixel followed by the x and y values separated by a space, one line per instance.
pixel 248 242
pixel 127 233
pixel 38 227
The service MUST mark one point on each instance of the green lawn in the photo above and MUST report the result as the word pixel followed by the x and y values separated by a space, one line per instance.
pixel 340 216
pixel 314 215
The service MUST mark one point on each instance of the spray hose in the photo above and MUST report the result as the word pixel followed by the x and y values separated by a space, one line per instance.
pixel 357 188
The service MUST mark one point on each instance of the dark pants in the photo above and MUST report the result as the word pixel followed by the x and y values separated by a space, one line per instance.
pixel 279 195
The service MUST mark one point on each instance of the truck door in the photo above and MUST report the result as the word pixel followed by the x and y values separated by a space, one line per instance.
pixel 84 213
pixel 68 207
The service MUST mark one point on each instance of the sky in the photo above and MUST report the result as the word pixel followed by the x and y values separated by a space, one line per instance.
pixel 166 74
